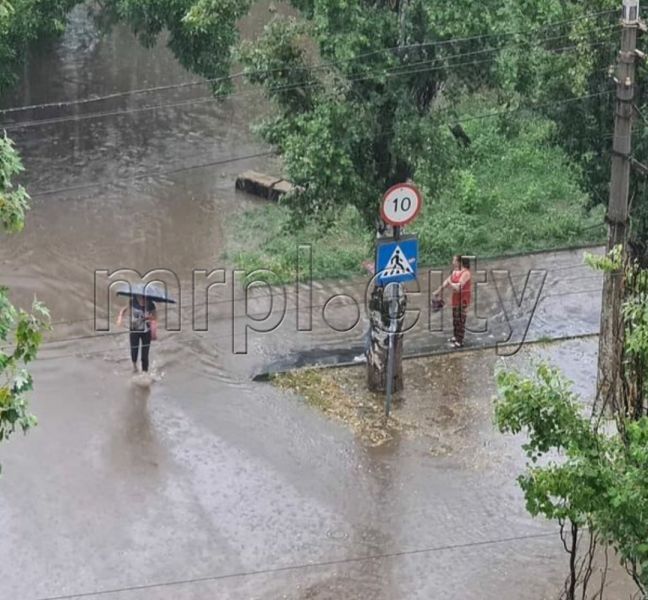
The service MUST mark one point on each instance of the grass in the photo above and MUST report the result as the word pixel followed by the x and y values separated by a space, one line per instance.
pixel 263 239
pixel 512 190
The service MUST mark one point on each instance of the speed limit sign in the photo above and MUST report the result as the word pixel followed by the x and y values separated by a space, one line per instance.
pixel 401 204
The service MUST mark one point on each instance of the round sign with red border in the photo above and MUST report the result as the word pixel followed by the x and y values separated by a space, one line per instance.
pixel 401 204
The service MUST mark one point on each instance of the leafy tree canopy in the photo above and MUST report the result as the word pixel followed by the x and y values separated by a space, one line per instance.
pixel 588 477
pixel 363 86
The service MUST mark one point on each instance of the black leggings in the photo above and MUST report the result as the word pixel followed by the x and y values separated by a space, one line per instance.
pixel 135 337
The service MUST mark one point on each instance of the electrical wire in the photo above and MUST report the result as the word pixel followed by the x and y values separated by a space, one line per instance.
pixel 303 566
pixel 461 119
pixel 397 70
pixel 317 66
pixel 152 174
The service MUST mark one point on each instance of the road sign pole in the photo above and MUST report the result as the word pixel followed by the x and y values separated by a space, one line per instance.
pixel 396 263
pixel 394 304
pixel 390 371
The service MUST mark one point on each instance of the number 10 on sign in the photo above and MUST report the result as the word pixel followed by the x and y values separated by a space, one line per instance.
pixel 401 205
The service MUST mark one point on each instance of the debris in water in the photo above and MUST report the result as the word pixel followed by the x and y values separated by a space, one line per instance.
pixel 362 411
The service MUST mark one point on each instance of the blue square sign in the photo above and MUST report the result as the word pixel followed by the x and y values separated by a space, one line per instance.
pixel 396 260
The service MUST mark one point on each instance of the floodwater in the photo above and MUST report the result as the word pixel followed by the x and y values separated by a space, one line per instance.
pixel 208 485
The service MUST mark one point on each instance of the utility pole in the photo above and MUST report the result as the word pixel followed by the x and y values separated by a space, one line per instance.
pixel 384 358
pixel 396 264
pixel 611 337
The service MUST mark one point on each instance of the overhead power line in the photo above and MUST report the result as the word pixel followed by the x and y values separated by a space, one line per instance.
pixel 395 71
pixel 318 66
pixel 321 65
pixel 95 184
pixel 303 566
pixel 173 170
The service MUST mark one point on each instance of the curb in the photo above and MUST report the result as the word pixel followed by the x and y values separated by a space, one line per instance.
pixel 266 376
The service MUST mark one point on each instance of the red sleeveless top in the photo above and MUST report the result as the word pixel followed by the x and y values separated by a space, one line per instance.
pixel 464 296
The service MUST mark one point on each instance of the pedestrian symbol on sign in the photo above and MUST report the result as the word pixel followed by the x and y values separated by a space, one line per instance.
pixel 397 265
pixel 396 260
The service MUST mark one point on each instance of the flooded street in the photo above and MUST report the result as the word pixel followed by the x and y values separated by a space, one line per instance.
pixel 210 485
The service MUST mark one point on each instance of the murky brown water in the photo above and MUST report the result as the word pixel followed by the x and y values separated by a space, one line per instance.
pixel 217 485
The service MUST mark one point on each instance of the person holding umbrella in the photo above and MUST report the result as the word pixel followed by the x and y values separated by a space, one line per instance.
pixel 143 320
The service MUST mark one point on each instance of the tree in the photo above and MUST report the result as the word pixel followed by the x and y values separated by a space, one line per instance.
pixel 593 479
pixel 595 484
pixel 21 22
pixel 20 332
pixel 365 89
pixel 202 33
pixel 632 402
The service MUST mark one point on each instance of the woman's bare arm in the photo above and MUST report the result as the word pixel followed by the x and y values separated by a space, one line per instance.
pixel 120 317
pixel 444 285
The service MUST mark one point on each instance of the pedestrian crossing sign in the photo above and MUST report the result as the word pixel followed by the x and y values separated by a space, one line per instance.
pixel 396 260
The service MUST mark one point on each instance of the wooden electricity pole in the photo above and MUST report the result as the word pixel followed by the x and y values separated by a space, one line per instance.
pixel 611 336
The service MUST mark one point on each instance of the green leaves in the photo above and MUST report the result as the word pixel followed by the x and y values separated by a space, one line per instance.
pixel 202 33
pixel 23 22
pixel 13 201
pixel 544 407
pixel 612 262
pixel 278 61
pixel 20 332
pixel 588 477
pixel 20 336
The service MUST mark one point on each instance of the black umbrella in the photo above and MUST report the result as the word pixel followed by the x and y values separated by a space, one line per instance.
pixel 151 292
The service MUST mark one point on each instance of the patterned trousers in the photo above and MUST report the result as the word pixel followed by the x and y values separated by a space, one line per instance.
pixel 459 322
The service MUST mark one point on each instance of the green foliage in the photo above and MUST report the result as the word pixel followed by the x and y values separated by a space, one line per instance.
pixel 564 69
pixel 382 69
pixel 20 332
pixel 23 22
pixel 545 406
pixel 20 335
pixel 610 263
pixel 364 92
pixel 13 201
pixel 357 89
pixel 512 189
pixel 279 62
pixel 266 239
pixel 202 33
pixel 588 477
pixel 635 315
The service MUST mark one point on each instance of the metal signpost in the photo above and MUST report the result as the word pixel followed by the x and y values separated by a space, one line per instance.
pixel 395 291
pixel 396 264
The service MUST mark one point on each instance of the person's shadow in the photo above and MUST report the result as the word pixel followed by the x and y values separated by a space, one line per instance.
pixel 138 430
pixel 135 445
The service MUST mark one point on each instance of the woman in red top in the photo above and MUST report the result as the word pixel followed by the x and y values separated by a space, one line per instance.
pixel 460 281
